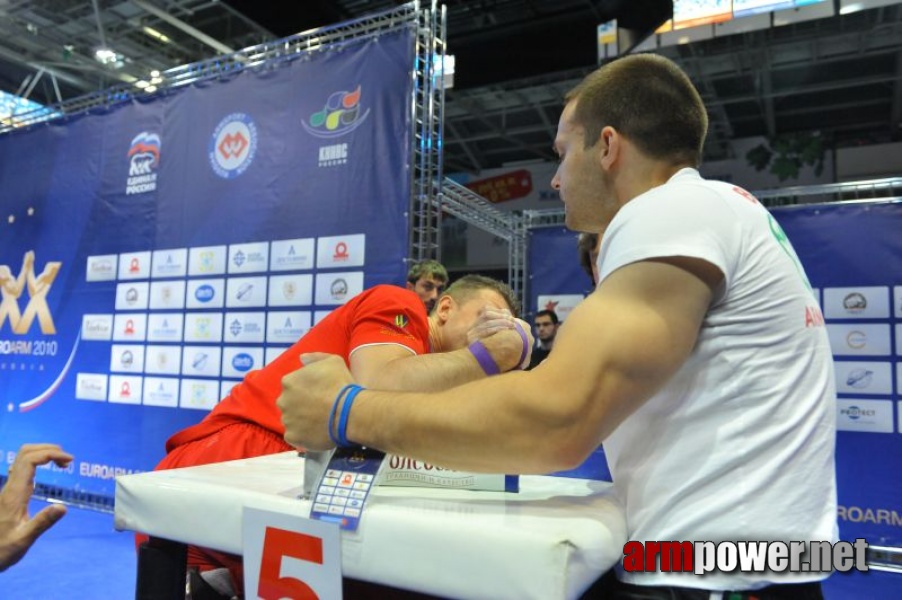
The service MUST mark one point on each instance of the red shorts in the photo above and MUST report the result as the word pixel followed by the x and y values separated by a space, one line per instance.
pixel 232 442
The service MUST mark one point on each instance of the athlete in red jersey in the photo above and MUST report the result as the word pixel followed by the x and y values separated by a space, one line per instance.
pixel 386 338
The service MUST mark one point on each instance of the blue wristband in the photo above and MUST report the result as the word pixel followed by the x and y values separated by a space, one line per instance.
pixel 525 344
pixel 345 412
pixel 338 398
pixel 482 356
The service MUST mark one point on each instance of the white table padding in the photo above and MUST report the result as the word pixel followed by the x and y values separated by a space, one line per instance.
pixel 551 540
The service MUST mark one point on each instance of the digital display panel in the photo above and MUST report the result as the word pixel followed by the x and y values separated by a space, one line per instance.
pixel 692 13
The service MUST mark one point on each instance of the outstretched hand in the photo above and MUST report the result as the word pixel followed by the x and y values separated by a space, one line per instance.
pixel 18 531
pixel 307 397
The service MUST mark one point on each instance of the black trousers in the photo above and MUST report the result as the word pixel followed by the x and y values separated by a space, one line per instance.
pixel 608 587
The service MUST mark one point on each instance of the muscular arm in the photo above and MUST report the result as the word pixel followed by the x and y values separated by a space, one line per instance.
pixel 392 367
pixel 616 349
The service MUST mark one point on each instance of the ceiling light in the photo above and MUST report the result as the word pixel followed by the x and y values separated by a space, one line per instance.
pixel 150 89
pixel 105 56
pixel 141 84
pixel 156 34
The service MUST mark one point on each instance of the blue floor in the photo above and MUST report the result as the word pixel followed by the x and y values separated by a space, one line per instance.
pixel 84 558
pixel 81 558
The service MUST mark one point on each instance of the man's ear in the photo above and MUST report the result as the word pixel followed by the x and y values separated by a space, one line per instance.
pixel 411 286
pixel 609 147
pixel 443 308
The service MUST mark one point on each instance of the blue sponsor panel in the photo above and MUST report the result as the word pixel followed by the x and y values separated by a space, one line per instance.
pixel 554 265
pixel 852 253
pixel 143 246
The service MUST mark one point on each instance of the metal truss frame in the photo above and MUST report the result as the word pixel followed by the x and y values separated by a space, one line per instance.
pixel 427 114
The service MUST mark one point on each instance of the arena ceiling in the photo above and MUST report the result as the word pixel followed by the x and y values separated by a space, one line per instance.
pixel 839 76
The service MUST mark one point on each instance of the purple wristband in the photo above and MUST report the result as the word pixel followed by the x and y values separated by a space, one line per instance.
pixel 525 344
pixel 482 356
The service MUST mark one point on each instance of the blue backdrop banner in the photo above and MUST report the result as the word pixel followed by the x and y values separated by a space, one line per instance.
pixel 154 253
pixel 852 253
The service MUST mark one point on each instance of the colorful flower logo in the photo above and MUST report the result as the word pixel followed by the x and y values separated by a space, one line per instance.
pixel 341 114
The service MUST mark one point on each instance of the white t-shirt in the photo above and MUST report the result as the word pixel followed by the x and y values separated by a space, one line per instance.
pixel 739 443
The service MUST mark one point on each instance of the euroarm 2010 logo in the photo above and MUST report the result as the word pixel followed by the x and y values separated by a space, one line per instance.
pixel 342 114
pixel 38 286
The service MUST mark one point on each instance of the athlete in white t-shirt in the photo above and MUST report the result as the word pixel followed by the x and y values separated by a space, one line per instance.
pixel 700 359
pixel 738 444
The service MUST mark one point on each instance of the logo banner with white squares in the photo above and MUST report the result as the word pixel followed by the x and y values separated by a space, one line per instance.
pixel 872 416
pixel 338 288
pixel 291 290
pixel 286 327
pixel 238 361
pixel 165 327
pixel 246 292
pixel 859 339
pixel 91 386
pixel 201 361
pixel 167 295
pixel 169 263
pixel 245 327
pixel 132 296
pixel 102 268
pixel 130 327
pixel 209 260
pixel 97 327
pixel 163 360
pixel 205 293
pixel 161 391
pixel 200 394
pixel 248 258
pixel 127 358
pixel 291 255
pixel 863 377
pixel 125 389
pixel 341 251
pixel 134 265
pixel 856 303
pixel 203 327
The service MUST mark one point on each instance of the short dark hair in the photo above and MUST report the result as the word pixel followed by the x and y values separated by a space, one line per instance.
pixel 465 287
pixel 550 314
pixel 650 100
pixel 427 268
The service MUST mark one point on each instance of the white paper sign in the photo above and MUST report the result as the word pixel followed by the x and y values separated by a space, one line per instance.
pixel 287 556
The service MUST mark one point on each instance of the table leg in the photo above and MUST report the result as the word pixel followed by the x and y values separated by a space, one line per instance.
pixel 162 568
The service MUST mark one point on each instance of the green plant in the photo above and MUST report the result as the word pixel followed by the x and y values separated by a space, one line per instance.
pixel 786 155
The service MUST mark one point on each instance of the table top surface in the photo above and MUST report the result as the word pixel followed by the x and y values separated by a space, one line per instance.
pixel 552 539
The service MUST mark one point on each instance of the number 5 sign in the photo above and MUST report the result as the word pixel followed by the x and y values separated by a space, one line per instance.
pixel 289 556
